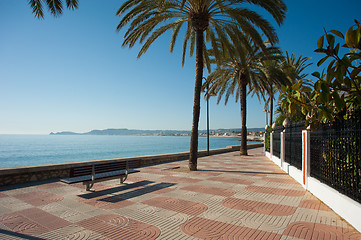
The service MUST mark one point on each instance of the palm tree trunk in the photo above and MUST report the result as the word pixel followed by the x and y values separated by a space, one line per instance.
pixel 271 110
pixel 196 106
pixel 243 118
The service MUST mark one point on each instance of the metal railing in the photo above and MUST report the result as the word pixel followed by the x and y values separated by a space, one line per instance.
pixel 276 141
pixel 293 144
pixel 336 154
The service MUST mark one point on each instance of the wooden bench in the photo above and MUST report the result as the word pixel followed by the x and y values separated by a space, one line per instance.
pixel 98 172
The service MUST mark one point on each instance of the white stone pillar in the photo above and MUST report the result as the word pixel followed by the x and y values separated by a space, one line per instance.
pixel 283 145
pixel 271 145
pixel 306 150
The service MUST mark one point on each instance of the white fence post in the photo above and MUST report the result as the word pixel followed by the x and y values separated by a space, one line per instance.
pixel 283 145
pixel 271 145
pixel 306 147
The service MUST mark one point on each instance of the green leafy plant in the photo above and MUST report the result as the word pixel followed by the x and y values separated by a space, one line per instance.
pixel 334 91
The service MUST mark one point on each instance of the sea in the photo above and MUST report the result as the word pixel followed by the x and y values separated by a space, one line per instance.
pixel 30 150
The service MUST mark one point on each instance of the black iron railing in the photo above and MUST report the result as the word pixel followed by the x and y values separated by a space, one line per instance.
pixel 293 144
pixel 276 141
pixel 267 141
pixel 336 156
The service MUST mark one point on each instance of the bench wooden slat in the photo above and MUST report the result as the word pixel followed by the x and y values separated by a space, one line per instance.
pixel 97 176
pixel 104 167
pixel 98 172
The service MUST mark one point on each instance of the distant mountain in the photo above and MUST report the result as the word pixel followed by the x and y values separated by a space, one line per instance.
pixel 124 131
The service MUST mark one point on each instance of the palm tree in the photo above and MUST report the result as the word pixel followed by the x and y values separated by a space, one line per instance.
pixel 243 66
pixel 294 67
pixel 202 19
pixel 55 6
pixel 274 72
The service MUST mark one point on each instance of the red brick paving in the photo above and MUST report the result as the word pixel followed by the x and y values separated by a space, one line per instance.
pixel 177 205
pixel 307 230
pixel 32 221
pixel 174 179
pixel 259 207
pixel 275 191
pixel 205 173
pixel 280 180
pixel 39 198
pixel 232 180
pixel 314 204
pixel 210 190
pixel 157 198
pixel 210 229
pixel 119 227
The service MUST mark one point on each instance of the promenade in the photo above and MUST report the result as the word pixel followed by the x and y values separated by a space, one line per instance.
pixel 230 197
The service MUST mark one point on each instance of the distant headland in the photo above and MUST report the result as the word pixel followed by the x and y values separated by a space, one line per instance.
pixel 125 131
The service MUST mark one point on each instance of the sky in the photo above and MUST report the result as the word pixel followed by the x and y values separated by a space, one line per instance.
pixel 71 73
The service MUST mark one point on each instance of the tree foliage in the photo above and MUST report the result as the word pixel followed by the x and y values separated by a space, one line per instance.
pixel 203 21
pixel 336 90
pixel 54 6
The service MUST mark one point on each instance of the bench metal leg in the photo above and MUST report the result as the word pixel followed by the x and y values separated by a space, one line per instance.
pixel 89 185
pixel 123 178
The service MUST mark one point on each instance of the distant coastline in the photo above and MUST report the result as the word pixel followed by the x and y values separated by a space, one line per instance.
pixel 125 131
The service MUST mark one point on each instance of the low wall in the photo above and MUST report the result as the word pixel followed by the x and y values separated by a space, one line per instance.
pixel 16 175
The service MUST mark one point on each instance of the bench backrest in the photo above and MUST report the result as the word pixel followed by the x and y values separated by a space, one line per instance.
pixel 103 167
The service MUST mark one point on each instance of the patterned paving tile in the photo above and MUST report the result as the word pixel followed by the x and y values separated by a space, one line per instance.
pixel 174 179
pixel 38 198
pixel 106 202
pixel 14 204
pixel 32 221
pixel 259 207
pixel 275 191
pixel 314 204
pixel 119 227
pixel 50 185
pixel 307 230
pixel 71 232
pixel 209 229
pixel 3 195
pixel 232 180
pixel 210 190
pixel 177 205
pixel 287 180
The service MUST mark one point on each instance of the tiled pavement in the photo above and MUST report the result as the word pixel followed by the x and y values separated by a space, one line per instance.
pixel 231 197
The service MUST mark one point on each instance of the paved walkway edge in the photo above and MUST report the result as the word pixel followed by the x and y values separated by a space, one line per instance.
pixel 347 208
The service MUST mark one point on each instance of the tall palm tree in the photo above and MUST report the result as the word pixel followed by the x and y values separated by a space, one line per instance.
pixel 55 6
pixel 243 66
pixel 294 67
pixel 201 19
pixel 274 72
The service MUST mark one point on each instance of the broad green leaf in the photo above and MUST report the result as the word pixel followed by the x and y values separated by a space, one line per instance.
pixel 337 48
pixel 331 40
pixel 320 42
pixel 350 37
pixel 337 33
pixel 321 50
pixel 316 74
pixel 322 61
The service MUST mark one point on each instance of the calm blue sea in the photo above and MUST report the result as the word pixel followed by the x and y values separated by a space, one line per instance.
pixel 26 150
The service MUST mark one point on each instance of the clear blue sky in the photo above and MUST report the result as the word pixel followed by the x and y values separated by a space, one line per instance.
pixel 71 73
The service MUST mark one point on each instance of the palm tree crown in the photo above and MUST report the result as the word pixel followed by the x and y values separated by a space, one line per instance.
pixel 55 6
pixel 218 19
pixel 246 65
